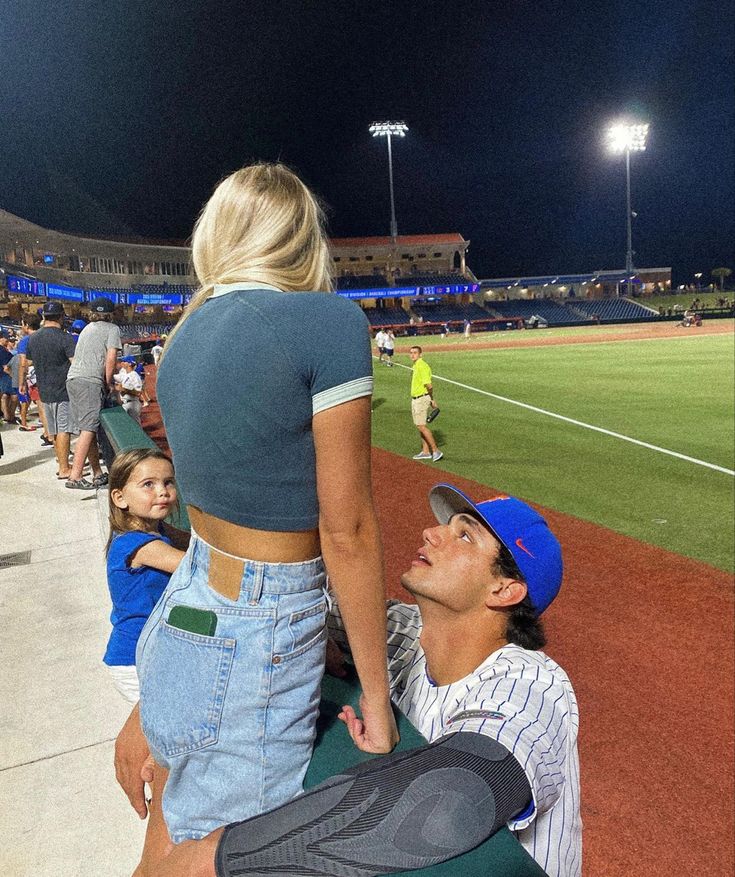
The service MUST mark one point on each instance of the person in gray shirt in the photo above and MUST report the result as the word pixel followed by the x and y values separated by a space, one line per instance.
pixel 89 378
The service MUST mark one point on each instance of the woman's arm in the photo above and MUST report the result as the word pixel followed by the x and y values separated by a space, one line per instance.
pixel 353 556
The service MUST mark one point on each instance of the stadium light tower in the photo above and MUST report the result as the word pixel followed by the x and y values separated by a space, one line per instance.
pixel 628 138
pixel 390 130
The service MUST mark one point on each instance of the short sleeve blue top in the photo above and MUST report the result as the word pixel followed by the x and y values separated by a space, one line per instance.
pixel 134 592
pixel 238 387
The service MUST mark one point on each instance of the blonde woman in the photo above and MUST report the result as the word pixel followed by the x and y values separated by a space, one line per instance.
pixel 278 493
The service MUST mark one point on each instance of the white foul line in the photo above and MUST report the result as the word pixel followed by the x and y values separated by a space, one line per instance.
pixel 625 438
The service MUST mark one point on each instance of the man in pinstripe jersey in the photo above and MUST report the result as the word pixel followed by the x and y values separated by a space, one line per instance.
pixel 466 657
pixel 500 716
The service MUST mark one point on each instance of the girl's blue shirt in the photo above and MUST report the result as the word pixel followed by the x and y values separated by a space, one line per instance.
pixel 134 592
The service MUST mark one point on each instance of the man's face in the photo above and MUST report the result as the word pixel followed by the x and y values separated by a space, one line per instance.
pixel 414 354
pixel 454 565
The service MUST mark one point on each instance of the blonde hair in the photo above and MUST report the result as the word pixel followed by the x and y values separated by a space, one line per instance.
pixel 123 466
pixel 262 224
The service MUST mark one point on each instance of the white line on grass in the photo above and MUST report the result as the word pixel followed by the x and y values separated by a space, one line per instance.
pixel 625 438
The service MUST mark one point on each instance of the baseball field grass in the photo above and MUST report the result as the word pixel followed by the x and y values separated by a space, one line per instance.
pixel 674 395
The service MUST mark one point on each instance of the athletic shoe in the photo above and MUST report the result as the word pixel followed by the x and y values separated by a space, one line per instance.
pixel 422 456
pixel 45 443
pixel 80 484
pixel 100 480
pixel 436 456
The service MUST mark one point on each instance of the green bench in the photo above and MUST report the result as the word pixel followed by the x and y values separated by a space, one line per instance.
pixel 499 856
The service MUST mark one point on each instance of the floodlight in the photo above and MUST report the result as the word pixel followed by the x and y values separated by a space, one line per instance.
pixel 390 130
pixel 627 138
pixel 385 129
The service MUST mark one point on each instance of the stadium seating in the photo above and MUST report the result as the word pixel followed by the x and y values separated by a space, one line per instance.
pixel 613 309
pixel 362 281
pixel 552 311
pixel 433 279
pixel 386 316
pixel 133 331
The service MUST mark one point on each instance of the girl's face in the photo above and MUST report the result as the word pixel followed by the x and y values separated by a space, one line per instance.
pixel 150 492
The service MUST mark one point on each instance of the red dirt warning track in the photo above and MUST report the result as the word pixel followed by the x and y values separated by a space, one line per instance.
pixel 647 639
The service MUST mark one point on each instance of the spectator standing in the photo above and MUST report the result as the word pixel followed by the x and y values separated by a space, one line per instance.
pixel 422 401
pixel 8 394
pixel 280 495
pixel 88 381
pixel 31 323
pixel 51 351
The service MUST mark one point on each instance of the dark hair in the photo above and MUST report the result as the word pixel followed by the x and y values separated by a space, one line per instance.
pixel 524 628
pixel 415 347
pixel 33 321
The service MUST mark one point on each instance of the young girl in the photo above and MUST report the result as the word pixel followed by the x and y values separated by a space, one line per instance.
pixel 140 554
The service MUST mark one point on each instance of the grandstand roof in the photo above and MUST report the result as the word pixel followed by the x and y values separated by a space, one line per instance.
pixel 9 222
pixel 602 276
pixel 408 240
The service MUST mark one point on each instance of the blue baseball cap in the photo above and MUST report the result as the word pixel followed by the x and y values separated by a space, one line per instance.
pixel 78 325
pixel 520 529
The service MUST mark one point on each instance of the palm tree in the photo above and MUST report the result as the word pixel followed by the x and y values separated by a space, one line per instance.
pixel 722 273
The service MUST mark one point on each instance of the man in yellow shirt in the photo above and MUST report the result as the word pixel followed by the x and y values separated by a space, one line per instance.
pixel 422 401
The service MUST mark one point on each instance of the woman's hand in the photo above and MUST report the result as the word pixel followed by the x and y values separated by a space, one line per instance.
pixel 376 731
pixel 131 754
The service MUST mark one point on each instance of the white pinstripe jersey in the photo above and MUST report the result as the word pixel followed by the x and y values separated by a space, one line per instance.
pixel 520 698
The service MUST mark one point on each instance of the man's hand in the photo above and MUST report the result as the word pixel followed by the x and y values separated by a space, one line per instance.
pixel 376 731
pixel 132 759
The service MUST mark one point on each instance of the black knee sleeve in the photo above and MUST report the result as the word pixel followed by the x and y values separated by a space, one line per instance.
pixel 407 810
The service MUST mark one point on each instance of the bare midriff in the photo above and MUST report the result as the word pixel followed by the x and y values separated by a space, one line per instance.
pixel 270 546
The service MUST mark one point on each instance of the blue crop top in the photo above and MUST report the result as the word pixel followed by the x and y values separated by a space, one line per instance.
pixel 134 592
pixel 238 386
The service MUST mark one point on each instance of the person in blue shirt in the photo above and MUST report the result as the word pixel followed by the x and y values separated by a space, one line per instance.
pixel 141 554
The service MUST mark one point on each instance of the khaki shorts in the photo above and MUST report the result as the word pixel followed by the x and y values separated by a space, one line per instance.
pixel 420 409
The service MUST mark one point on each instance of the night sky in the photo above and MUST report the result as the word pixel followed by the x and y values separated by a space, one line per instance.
pixel 119 116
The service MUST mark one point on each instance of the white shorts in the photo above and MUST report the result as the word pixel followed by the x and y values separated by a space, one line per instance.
pixel 125 679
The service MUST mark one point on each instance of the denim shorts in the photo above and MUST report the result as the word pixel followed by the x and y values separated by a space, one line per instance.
pixel 233 716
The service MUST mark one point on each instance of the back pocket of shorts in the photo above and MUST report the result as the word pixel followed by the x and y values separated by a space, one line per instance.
pixel 184 680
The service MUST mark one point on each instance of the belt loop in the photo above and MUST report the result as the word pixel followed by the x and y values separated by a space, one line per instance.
pixel 194 548
pixel 328 596
pixel 258 575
